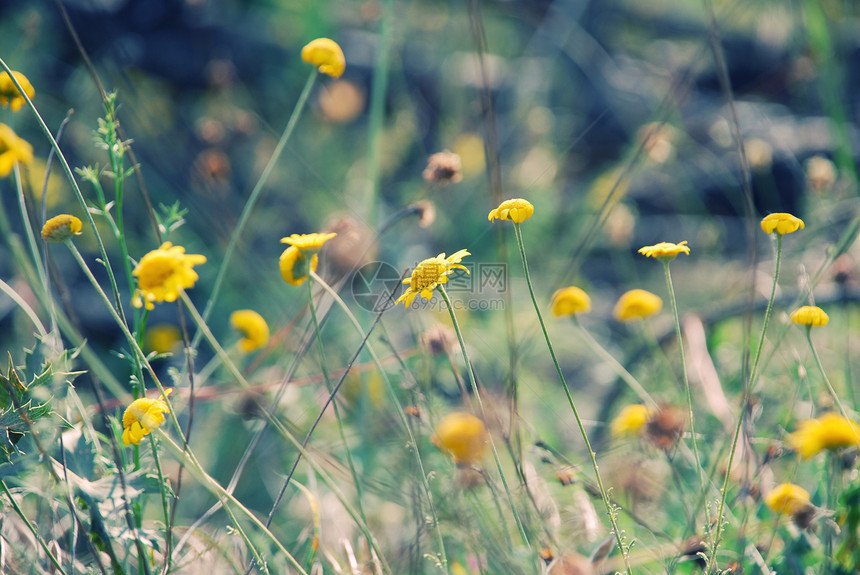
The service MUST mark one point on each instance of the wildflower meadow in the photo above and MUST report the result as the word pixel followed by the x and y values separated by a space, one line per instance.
pixel 388 287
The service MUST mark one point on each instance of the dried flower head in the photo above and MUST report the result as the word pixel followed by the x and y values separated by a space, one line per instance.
pixel 637 304
pixel 163 273
pixel 830 431
pixel 781 223
pixel 665 251
pixel 462 435
pixel 426 211
pixel 570 301
pixel 301 257
pixel 326 55
pixel 516 210
pixel 787 498
pixel 10 95
pixel 439 339
pixel 253 327
pixel 665 427
pixel 443 168
pixel 631 420
pixel 60 228
pixel 142 416
pixel 12 149
pixel 810 315
pixel 820 173
pixel 429 274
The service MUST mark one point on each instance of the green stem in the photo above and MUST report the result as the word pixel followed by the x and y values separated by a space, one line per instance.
pixel 378 91
pixel 830 388
pixel 609 509
pixel 32 528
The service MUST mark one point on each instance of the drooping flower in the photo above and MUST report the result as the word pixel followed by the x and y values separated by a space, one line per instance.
pixel 830 431
pixel 163 273
pixel 326 55
pixel 301 257
pixel 787 498
pixel 60 228
pixel 12 149
pixel 781 223
pixel 10 95
pixel 253 327
pixel 142 416
pixel 810 315
pixel 665 251
pixel 570 301
pixel 429 274
pixel 462 435
pixel 637 304
pixel 516 210
pixel 631 420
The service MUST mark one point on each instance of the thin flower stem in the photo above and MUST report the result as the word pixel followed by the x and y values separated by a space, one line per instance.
pixel 31 237
pixel 252 200
pixel 744 404
pixel 680 338
pixel 25 307
pixel 830 388
pixel 32 528
pixel 477 393
pixel 609 509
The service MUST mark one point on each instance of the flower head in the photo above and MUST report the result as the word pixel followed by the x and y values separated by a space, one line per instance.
pixel 443 168
pixel 163 273
pixel 787 498
pixel 142 416
pixel 781 223
pixel 665 251
pixel 12 149
pixel 9 93
pixel 570 301
pixel 60 228
pixel 254 328
pixel 637 304
pixel 462 435
pixel 830 431
pixel 301 257
pixel 810 315
pixel 326 55
pixel 631 420
pixel 516 210
pixel 429 274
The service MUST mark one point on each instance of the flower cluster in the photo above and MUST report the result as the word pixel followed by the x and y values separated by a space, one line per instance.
pixel 781 223
pixel 637 304
pixel 810 315
pixel 665 251
pixel 430 274
pixel 570 301
pixel 60 228
pixel 301 257
pixel 516 210
pixel 142 416
pixel 163 273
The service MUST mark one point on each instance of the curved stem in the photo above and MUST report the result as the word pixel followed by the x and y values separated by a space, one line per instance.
pixel 830 388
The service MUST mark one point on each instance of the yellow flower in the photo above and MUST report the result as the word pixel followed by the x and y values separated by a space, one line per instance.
pixel 810 315
pixel 787 498
pixel 830 431
pixel 253 326
pixel 162 273
pixel 637 304
pixel 781 223
pixel 301 256
pixel 60 228
pixel 326 55
pixel 665 251
pixel 142 416
pixel 9 93
pixel 12 149
pixel 516 210
pixel 162 337
pixel 569 301
pixel 429 274
pixel 630 421
pixel 462 435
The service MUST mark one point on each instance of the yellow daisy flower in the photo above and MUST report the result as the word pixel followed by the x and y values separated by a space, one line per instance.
pixel 830 431
pixel 429 274
pixel 462 435
pixel 787 498
pixel 781 223
pixel 12 149
pixel 810 315
pixel 60 228
pixel 254 328
pixel 326 55
pixel 162 273
pixel 637 304
pixel 517 210
pixel 570 301
pixel 9 93
pixel 665 251
pixel 142 416
pixel 301 256
pixel 630 421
